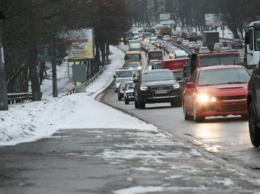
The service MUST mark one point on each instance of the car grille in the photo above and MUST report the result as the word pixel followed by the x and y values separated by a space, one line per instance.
pixel 235 107
pixel 242 97
pixel 161 91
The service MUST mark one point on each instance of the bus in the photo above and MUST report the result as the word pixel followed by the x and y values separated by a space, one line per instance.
pixel 252 45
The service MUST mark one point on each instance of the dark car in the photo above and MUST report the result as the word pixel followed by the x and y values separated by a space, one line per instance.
pixel 157 86
pixel 121 89
pixel 236 43
pixel 129 92
pixel 253 104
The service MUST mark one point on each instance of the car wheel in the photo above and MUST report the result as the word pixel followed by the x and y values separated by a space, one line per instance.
pixel 244 116
pixel 119 98
pixel 141 104
pixel 136 104
pixel 195 117
pixel 186 116
pixel 254 130
pixel 126 102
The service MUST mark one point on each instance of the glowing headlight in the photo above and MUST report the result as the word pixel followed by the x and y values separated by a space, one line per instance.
pixel 143 87
pixel 203 98
pixel 176 85
pixel 139 67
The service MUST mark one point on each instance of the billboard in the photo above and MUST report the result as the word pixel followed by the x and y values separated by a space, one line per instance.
pixel 80 44
pixel 165 16
pixel 213 19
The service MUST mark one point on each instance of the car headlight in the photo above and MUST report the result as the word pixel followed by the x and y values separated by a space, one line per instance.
pixel 143 87
pixel 204 98
pixel 139 68
pixel 176 85
pixel 117 84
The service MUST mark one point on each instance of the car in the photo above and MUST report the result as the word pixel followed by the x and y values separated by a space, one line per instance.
pixel 218 46
pixel 135 65
pixel 123 74
pixel 156 86
pixel 225 49
pixel 236 43
pixel 152 63
pixel 204 49
pixel 129 92
pixel 121 89
pixel 216 91
pixel 253 103
pixel 166 37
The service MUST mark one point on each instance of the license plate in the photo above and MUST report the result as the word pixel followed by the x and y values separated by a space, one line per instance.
pixel 160 91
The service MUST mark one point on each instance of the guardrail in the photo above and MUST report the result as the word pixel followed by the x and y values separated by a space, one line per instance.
pixel 13 98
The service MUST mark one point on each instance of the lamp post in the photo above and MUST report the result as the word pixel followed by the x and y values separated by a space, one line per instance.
pixel 3 84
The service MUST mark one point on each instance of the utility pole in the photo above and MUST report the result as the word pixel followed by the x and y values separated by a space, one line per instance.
pixel 3 84
pixel 35 83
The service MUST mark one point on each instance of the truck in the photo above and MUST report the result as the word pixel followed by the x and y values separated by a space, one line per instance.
pixel 134 45
pixel 210 59
pixel 165 30
pixel 209 38
pixel 176 66
pixel 252 45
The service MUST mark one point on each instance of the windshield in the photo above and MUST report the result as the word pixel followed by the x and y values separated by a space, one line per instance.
pixel 157 76
pixel 127 73
pixel 178 74
pixel 257 38
pixel 133 57
pixel 223 76
pixel 155 54
pixel 233 59
pixel 129 85
pixel 133 65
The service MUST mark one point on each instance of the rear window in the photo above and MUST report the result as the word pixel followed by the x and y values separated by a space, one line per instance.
pixel 126 73
pixel 155 54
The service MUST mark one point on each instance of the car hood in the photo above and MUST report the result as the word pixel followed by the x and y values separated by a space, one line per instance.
pixel 225 89
pixel 160 83
pixel 123 79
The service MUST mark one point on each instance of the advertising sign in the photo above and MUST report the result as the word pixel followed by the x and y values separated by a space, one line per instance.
pixel 213 19
pixel 165 16
pixel 80 44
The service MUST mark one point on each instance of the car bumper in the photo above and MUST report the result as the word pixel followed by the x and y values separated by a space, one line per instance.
pixel 222 109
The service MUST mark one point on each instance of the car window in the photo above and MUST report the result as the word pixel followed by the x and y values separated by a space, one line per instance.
pixel 124 73
pixel 157 76
pixel 223 76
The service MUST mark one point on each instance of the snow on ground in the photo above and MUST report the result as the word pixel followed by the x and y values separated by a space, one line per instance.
pixel 30 121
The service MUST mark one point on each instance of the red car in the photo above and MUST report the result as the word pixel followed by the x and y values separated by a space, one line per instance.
pixel 216 91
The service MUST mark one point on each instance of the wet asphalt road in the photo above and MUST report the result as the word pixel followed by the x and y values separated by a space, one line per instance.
pixel 118 161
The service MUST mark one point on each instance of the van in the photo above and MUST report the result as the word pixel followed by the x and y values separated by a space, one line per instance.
pixel 179 54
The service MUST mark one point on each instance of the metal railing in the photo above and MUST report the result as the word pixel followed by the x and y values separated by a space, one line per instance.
pixel 13 98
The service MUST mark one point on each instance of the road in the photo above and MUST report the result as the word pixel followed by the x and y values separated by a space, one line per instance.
pixel 227 138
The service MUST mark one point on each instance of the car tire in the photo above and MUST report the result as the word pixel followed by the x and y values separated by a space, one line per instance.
pixel 195 117
pixel 126 102
pixel 254 130
pixel 136 104
pixel 186 116
pixel 119 98
pixel 141 104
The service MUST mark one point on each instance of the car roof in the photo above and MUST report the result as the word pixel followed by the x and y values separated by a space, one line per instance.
pixel 133 52
pixel 221 67
pixel 154 51
pixel 156 70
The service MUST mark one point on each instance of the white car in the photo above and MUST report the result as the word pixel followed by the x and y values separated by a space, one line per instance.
pixel 166 37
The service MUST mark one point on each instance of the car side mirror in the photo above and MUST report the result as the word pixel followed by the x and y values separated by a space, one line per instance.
pixel 189 85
